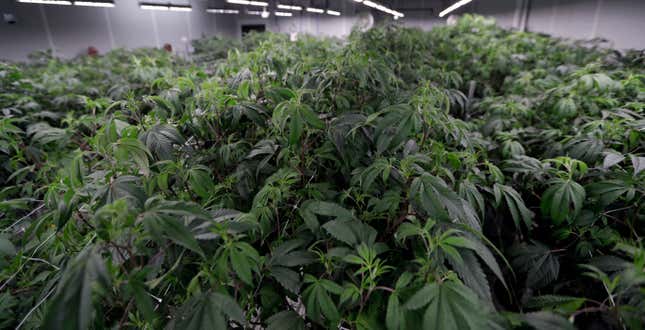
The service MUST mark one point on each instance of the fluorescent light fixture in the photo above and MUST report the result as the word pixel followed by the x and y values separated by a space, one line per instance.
pixel 222 11
pixel 48 2
pixel 180 8
pixel 249 3
pixel 283 14
pixel 382 8
pixel 103 4
pixel 254 12
pixel 289 7
pixel 333 12
pixel 152 6
pixel 315 10
pixel 453 7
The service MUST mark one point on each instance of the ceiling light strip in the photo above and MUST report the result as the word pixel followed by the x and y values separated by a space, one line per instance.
pixel 282 14
pixel 315 10
pixel 180 8
pixel 453 7
pixel 222 11
pixel 153 6
pixel 333 12
pixel 103 4
pixel 48 2
pixel 165 7
pixel 382 8
pixel 289 7
pixel 248 3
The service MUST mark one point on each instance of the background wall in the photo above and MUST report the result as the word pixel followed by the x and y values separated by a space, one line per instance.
pixel 621 22
pixel 69 30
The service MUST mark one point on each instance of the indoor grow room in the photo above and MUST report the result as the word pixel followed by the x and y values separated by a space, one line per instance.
pixel 322 165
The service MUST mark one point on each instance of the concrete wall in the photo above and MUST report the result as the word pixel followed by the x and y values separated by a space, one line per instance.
pixel 69 30
pixel 312 23
pixel 619 21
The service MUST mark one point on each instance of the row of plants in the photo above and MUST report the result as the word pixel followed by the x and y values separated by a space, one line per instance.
pixel 467 177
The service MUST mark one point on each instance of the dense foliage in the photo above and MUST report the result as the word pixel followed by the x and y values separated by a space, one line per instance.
pixel 468 177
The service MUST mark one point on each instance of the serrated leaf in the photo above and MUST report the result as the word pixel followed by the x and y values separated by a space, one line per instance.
pixel 351 232
pixel 611 159
pixel 471 272
pixel 547 321
pixel 163 218
pixel 288 278
pixel 208 310
pixel 537 262
pixel 562 200
pixel 433 196
pixel 160 140
pixel 310 209
pixel 638 163
pixel 74 308
pixel 286 320
pixel 450 306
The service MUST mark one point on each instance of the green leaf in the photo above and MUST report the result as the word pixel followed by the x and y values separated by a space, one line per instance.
pixel 608 191
pixel 537 262
pixel 312 208
pixel 208 310
pixel 201 182
pixel 131 149
pixel 287 255
pixel 73 307
pixel 469 192
pixel 351 232
pixel 562 304
pixel 6 247
pixel 310 117
pixel 516 206
pixel 638 163
pixel 164 218
pixel 471 272
pixel 286 320
pixel 563 200
pixel 434 197
pixel 422 297
pixel 450 306
pixel 160 140
pixel 481 250
pixel 77 171
pixel 566 108
pixel 611 159
pixel 141 298
pixel 394 316
pixel 295 128
pixel 123 187
pixel 547 321
pixel 288 278
pixel 318 303
pixel 244 260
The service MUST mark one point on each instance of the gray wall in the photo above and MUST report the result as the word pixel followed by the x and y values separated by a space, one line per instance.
pixel 70 30
pixel 619 21
pixel 312 23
